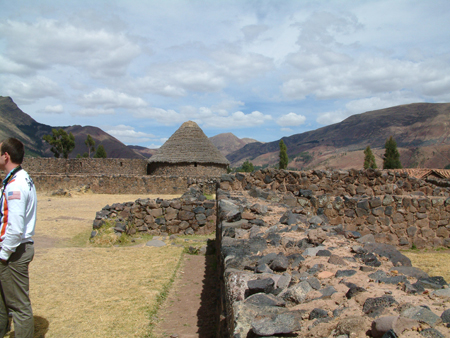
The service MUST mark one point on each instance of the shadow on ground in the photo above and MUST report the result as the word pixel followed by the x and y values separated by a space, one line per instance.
pixel 40 328
pixel 208 312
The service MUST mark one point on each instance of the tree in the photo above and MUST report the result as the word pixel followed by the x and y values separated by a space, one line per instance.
pixel 61 142
pixel 90 143
pixel 369 159
pixel 247 167
pixel 391 158
pixel 283 156
pixel 101 152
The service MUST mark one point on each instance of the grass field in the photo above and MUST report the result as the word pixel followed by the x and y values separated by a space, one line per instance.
pixel 82 291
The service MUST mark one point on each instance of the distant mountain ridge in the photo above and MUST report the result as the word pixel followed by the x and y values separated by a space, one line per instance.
pixel 415 127
pixel 421 130
pixel 228 142
pixel 15 123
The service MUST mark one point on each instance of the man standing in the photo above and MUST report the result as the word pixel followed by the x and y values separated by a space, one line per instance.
pixel 18 205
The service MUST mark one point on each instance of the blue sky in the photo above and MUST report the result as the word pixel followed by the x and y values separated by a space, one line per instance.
pixel 261 69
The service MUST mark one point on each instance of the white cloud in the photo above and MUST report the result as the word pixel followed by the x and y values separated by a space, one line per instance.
pixel 241 67
pixel 367 104
pixel 45 43
pixel 252 32
pixel 291 119
pixel 237 120
pixel 167 117
pixel 177 79
pixel 27 91
pixel 129 135
pixel 58 109
pixel 93 112
pixel 111 99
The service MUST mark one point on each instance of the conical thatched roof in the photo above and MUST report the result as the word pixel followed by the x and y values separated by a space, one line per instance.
pixel 189 144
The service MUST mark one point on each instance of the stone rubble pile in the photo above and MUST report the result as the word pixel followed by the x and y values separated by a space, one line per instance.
pixel 297 275
pixel 190 214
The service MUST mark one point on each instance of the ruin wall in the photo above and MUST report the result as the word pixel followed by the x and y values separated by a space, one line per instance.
pixel 122 184
pixel 187 215
pixel 187 169
pixel 395 208
pixel 111 166
pixel 307 254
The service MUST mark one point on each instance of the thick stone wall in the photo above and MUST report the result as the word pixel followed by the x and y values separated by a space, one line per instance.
pixel 123 184
pixel 187 169
pixel 395 208
pixel 110 166
pixel 313 279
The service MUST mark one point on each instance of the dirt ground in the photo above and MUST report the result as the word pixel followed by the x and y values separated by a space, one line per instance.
pixel 82 291
pixel 190 309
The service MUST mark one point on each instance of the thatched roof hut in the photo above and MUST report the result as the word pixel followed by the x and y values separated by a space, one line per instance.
pixel 186 149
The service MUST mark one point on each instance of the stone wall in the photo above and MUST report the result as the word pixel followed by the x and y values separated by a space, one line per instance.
pixel 110 166
pixel 395 208
pixel 187 169
pixel 313 279
pixel 191 214
pixel 123 184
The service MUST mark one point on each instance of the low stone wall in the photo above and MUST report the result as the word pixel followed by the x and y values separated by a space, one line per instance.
pixel 110 166
pixel 188 215
pixel 123 184
pixel 187 169
pixel 313 279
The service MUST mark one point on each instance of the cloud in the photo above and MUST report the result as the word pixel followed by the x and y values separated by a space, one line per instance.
pixel 241 67
pixel 58 109
pixel 164 116
pixel 93 112
pixel 177 79
pixel 367 104
pixel 108 98
pixel 252 32
pixel 291 119
pixel 46 43
pixel 129 135
pixel 27 91
pixel 237 120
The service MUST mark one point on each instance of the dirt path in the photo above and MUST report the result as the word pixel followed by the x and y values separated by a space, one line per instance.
pixel 191 307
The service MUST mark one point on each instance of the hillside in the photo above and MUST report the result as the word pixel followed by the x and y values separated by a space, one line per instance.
pixel 420 129
pixel 15 123
pixel 228 142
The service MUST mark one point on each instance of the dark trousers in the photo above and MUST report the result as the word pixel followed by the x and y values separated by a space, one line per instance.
pixel 15 286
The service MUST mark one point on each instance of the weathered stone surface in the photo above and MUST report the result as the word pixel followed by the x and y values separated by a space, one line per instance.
pixel 282 323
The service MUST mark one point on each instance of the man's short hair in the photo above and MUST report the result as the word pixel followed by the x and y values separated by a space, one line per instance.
pixel 14 148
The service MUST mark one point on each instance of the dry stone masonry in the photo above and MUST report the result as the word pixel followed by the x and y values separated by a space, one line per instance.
pixel 394 208
pixel 288 271
pixel 314 254
pixel 188 215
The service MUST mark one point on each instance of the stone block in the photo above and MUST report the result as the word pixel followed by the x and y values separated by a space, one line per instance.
pixel 422 223
pixel 398 218
pixel 156 212
pixel 442 232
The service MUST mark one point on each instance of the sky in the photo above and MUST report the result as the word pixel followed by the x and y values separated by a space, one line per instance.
pixel 261 69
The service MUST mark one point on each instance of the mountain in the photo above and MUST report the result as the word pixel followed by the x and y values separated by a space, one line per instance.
pixel 15 123
pixel 421 131
pixel 146 152
pixel 114 148
pixel 228 142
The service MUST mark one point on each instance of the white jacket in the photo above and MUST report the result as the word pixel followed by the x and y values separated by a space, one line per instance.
pixel 18 212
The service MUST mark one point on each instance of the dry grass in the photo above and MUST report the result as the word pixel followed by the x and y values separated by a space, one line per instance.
pixel 90 291
pixel 99 292
pixel 434 263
